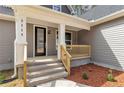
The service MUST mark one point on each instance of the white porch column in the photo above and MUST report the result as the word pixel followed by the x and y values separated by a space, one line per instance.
pixel 61 38
pixel 20 43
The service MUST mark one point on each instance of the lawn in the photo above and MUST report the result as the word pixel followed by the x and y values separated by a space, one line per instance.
pixel 15 83
pixel 97 76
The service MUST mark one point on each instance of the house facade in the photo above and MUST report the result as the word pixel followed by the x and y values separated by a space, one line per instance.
pixel 33 32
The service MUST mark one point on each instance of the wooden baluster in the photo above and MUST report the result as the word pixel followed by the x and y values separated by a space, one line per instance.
pixel 25 74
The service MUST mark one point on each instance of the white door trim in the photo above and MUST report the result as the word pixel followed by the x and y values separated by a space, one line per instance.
pixel 34 38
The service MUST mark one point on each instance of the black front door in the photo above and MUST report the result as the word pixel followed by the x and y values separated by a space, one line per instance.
pixel 40 41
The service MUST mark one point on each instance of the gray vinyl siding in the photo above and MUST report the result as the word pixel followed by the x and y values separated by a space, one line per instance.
pixel 107 44
pixel 6 10
pixel 7 37
pixel 64 8
pixel 51 40
pixel 30 40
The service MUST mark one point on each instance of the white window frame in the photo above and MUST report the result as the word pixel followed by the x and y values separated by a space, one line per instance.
pixel 55 9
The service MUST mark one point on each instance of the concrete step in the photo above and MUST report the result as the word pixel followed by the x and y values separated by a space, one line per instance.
pixel 45 66
pixel 47 78
pixel 45 72
pixel 41 62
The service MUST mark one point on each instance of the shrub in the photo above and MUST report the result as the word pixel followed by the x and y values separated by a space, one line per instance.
pixel 85 76
pixel 110 76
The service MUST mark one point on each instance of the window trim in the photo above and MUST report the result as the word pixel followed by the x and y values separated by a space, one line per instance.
pixel 57 10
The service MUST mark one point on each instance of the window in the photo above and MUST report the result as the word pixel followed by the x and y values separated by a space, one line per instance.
pixel 68 38
pixel 57 7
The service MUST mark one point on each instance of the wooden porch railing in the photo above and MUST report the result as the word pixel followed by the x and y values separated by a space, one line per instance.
pixel 66 58
pixel 79 50
pixel 25 74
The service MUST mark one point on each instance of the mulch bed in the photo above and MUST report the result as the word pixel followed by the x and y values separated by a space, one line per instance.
pixel 97 76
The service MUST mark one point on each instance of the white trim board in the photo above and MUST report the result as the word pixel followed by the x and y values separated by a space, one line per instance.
pixel 34 39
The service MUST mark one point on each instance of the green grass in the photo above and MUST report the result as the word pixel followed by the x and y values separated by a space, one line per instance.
pixel 110 76
pixel 2 77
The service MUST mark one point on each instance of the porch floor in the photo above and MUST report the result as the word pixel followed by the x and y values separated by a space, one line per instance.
pixel 43 59
pixel 54 58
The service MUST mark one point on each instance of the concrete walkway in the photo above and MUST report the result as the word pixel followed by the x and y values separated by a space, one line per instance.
pixel 62 83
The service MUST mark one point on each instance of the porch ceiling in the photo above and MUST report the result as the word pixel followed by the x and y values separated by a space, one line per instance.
pixel 48 15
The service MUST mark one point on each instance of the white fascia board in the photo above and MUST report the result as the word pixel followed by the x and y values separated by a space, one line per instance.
pixel 48 15
pixel 7 17
pixel 61 13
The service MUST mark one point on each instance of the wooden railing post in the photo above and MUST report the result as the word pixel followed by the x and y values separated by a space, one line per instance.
pixel 25 74
pixel 66 58
pixel 83 50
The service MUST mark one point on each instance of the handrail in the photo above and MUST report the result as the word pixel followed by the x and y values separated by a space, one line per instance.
pixel 78 45
pixel 66 58
pixel 25 74
pixel 83 50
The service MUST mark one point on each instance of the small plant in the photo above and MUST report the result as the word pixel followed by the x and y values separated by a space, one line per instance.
pixel 110 76
pixel 85 76
pixel 2 77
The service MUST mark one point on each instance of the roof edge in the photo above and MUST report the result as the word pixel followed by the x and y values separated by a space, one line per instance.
pixel 92 23
pixel 107 18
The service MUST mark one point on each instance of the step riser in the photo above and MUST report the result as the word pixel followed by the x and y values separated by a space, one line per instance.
pixel 43 68
pixel 45 73
pixel 45 81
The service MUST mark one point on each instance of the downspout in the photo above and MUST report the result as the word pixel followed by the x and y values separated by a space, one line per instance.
pixel 15 70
